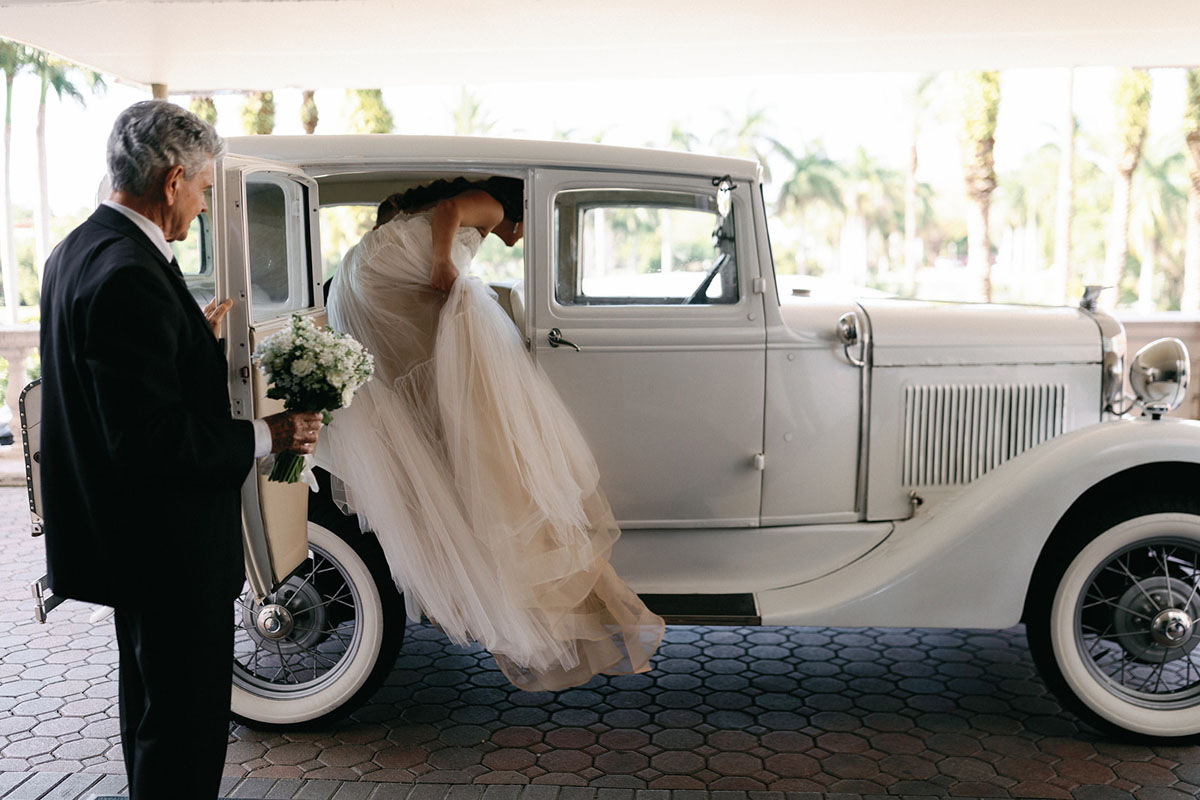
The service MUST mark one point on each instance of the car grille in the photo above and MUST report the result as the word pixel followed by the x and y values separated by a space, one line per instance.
pixel 954 434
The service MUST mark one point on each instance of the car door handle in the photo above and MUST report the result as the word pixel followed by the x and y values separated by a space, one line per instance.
pixel 555 339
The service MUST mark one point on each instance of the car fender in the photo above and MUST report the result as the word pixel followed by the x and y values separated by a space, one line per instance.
pixel 967 561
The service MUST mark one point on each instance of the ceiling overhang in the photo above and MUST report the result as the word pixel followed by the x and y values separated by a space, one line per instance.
pixel 200 45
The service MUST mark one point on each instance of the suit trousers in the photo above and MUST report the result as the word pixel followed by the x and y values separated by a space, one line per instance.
pixel 175 681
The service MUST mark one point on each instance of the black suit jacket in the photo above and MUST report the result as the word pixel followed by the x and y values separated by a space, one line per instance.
pixel 141 460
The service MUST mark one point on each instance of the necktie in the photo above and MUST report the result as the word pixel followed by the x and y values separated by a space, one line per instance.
pixel 175 266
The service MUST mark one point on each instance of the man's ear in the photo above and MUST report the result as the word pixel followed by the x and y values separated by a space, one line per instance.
pixel 171 181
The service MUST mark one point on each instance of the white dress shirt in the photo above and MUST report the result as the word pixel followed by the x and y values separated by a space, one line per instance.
pixel 262 433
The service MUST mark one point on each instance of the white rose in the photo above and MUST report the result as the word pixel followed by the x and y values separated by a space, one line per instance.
pixel 302 366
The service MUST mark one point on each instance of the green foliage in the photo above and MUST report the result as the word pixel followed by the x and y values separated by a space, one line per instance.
pixel 980 113
pixel 470 117
pixel 57 74
pixel 747 137
pixel 1132 101
pixel 815 178
pixel 369 114
pixel 204 108
pixel 258 114
pixel 1191 112
pixel 308 112
pixel 341 229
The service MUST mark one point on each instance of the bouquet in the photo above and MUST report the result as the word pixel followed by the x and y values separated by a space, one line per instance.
pixel 310 370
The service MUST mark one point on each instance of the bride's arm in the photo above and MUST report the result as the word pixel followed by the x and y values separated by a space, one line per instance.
pixel 473 208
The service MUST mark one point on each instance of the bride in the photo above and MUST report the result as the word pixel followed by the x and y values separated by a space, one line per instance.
pixel 462 458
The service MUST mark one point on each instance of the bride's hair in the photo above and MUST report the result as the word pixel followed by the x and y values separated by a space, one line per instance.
pixel 508 192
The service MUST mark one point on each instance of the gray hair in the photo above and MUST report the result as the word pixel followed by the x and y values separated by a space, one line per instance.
pixel 151 137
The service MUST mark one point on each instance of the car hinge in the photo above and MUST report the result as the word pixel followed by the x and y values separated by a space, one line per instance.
pixel 760 461
pixel 759 285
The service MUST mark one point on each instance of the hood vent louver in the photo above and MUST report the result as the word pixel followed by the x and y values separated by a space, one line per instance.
pixel 955 434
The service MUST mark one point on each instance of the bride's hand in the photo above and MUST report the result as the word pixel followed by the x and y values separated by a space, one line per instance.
pixel 443 275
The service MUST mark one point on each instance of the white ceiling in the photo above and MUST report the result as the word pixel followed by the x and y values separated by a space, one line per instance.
pixel 195 45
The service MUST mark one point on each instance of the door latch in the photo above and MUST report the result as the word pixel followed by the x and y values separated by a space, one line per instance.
pixel 555 339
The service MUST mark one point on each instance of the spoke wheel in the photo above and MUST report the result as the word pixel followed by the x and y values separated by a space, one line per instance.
pixel 318 646
pixel 1118 626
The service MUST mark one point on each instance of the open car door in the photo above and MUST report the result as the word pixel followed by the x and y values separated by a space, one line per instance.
pixel 267 239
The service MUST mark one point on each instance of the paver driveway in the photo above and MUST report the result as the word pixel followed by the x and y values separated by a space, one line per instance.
pixel 884 712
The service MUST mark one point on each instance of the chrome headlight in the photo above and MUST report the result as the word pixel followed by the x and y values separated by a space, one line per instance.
pixel 1159 375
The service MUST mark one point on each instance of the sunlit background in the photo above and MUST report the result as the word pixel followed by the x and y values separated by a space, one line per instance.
pixel 877 183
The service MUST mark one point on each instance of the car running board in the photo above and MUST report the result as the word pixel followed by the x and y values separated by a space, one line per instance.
pixel 704 609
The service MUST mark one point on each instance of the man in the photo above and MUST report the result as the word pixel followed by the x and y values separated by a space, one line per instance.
pixel 141 461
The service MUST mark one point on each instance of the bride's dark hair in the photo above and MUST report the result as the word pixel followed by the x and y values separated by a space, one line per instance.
pixel 508 192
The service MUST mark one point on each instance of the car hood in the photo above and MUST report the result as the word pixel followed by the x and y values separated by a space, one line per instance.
pixel 924 333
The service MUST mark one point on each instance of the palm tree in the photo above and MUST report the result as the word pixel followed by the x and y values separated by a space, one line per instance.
pixel 308 111
pixel 470 117
pixel 369 114
pixel 202 106
pixel 1191 260
pixel 810 197
pixel 815 178
pixel 55 74
pixel 1064 205
pixel 1158 211
pixel 981 107
pixel 873 199
pixel 920 101
pixel 13 59
pixel 747 137
pixel 681 139
pixel 258 115
pixel 1133 121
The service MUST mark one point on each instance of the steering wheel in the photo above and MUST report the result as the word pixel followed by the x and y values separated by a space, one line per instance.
pixel 701 290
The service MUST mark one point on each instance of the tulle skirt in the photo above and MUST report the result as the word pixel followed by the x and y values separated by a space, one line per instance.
pixel 463 460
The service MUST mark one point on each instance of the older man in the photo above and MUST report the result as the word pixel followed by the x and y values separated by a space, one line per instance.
pixel 141 459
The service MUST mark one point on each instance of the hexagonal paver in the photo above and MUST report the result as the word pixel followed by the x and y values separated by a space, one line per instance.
pixel 886 712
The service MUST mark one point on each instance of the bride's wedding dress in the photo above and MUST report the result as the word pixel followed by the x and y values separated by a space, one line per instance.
pixel 463 460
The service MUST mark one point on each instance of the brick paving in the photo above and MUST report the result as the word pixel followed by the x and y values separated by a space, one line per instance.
pixel 736 712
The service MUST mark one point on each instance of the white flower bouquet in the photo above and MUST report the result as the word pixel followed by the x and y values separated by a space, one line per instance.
pixel 310 369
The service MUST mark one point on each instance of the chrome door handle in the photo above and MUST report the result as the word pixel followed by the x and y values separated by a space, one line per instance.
pixel 555 339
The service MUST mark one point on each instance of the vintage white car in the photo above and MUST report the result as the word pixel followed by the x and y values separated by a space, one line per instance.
pixel 772 460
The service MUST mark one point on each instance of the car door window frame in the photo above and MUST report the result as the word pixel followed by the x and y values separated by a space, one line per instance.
pixel 549 183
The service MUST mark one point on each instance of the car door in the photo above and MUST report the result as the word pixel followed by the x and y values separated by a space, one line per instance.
pixel 648 318
pixel 268 238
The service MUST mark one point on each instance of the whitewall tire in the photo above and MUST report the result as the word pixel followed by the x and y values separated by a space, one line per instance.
pixel 340 635
pixel 1115 627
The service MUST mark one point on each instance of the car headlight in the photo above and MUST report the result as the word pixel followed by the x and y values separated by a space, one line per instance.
pixel 1159 375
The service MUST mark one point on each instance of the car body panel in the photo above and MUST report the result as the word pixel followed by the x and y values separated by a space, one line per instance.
pixel 966 561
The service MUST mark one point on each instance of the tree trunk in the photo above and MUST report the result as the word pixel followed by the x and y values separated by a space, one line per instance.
pixel 1145 301
pixel 41 215
pixel 910 219
pixel 1191 253
pixel 1117 249
pixel 1064 206
pixel 979 241
pixel 11 295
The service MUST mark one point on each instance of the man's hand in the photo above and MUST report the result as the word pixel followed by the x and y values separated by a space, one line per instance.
pixel 294 431
pixel 214 313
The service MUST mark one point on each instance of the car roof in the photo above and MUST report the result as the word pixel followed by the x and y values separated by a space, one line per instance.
pixel 324 155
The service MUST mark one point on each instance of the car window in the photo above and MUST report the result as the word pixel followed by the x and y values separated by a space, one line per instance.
pixel 277 236
pixel 195 256
pixel 643 247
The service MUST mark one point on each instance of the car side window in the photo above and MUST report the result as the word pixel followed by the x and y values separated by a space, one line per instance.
pixel 643 247
pixel 277 237
pixel 195 256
